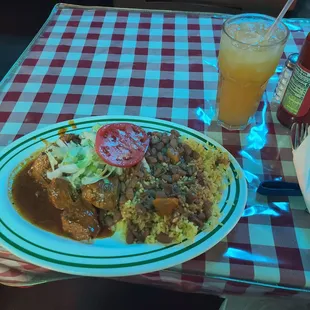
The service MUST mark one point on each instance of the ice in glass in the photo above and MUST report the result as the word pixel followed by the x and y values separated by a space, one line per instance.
pixel 246 62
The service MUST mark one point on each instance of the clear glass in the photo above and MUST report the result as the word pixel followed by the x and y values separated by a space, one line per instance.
pixel 246 62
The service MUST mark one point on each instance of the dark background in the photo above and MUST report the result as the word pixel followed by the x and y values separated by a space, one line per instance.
pixel 21 20
pixel 99 294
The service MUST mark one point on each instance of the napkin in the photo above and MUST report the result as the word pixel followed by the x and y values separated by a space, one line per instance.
pixel 301 159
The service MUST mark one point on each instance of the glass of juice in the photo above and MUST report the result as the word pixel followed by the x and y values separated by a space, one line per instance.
pixel 246 62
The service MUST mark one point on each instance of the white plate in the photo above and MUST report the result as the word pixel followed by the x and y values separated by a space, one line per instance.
pixel 109 256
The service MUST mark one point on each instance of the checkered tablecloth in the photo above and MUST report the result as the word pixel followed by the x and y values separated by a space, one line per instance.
pixel 164 65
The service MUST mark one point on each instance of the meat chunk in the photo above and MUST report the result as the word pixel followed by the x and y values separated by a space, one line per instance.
pixel 173 155
pixel 80 222
pixel 70 137
pixel 223 161
pixel 165 206
pixel 103 194
pixel 79 218
pixel 61 194
pixel 39 168
pixel 108 220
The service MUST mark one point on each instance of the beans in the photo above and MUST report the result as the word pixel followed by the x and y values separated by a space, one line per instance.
pixel 148 203
pixel 193 218
pixel 190 198
pixel 123 187
pixel 207 203
pixel 174 142
pixel 167 178
pixel 129 236
pixel 163 238
pixel 159 170
pixel 156 133
pixel 175 177
pixel 151 193
pixel 182 173
pixel 174 169
pixel 201 216
pixel 166 159
pixel 207 208
pixel 161 194
pixel 129 193
pixel 195 155
pixel 159 146
pixel 154 140
pixel 140 209
pixel 160 156
pixel 140 174
pixel 122 200
pixel 187 149
pixel 145 234
pixel 134 181
pixel 200 178
pixel 165 139
pixel 189 182
pixel 167 188
pixel 137 235
pixel 175 133
pixel 187 158
pixel 181 210
pixel 191 170
pixel 117 216
pixel 151 160
pixel 183 166
pixel 148 185
pixel 176 189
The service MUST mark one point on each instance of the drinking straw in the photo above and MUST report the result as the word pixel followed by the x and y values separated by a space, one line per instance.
pixel 277 21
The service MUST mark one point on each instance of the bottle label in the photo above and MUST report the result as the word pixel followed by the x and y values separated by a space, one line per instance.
pixel 296 98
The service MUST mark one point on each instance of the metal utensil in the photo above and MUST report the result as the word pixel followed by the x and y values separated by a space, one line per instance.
pixel 299 131
pixel 279 188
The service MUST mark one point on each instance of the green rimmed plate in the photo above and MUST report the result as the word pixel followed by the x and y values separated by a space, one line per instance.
pixel 109 256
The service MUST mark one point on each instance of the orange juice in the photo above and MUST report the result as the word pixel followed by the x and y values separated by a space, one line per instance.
pixel 246 63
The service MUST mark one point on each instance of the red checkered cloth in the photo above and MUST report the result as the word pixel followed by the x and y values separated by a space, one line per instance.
pixel 164 65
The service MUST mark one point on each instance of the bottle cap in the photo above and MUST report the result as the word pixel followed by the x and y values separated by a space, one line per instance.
pixel 292 60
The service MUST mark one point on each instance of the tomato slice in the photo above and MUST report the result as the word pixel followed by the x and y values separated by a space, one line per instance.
pixel 121 144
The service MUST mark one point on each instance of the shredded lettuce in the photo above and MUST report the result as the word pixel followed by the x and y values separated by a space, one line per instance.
pixel 79 163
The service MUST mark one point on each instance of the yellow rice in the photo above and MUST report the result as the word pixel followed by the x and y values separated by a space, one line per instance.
pixel 184 229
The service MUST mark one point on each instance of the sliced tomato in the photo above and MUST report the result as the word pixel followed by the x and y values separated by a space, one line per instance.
pixel 122 144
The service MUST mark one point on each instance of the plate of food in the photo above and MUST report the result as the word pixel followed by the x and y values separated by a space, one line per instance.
pixel 117 195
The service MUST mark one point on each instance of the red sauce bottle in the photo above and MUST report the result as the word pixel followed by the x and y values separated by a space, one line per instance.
pixel 295 106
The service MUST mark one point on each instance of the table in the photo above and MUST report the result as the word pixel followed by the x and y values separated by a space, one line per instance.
pixel 96 61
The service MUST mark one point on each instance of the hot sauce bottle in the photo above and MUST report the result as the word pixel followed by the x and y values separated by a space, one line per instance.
pixel 295 106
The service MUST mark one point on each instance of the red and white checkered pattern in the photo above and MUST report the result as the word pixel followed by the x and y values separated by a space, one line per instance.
pixel 164 65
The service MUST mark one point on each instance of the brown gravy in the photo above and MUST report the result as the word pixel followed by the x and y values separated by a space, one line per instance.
pixel 32 203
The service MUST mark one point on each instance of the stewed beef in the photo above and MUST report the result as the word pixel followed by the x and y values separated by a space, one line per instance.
pixel 103 194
